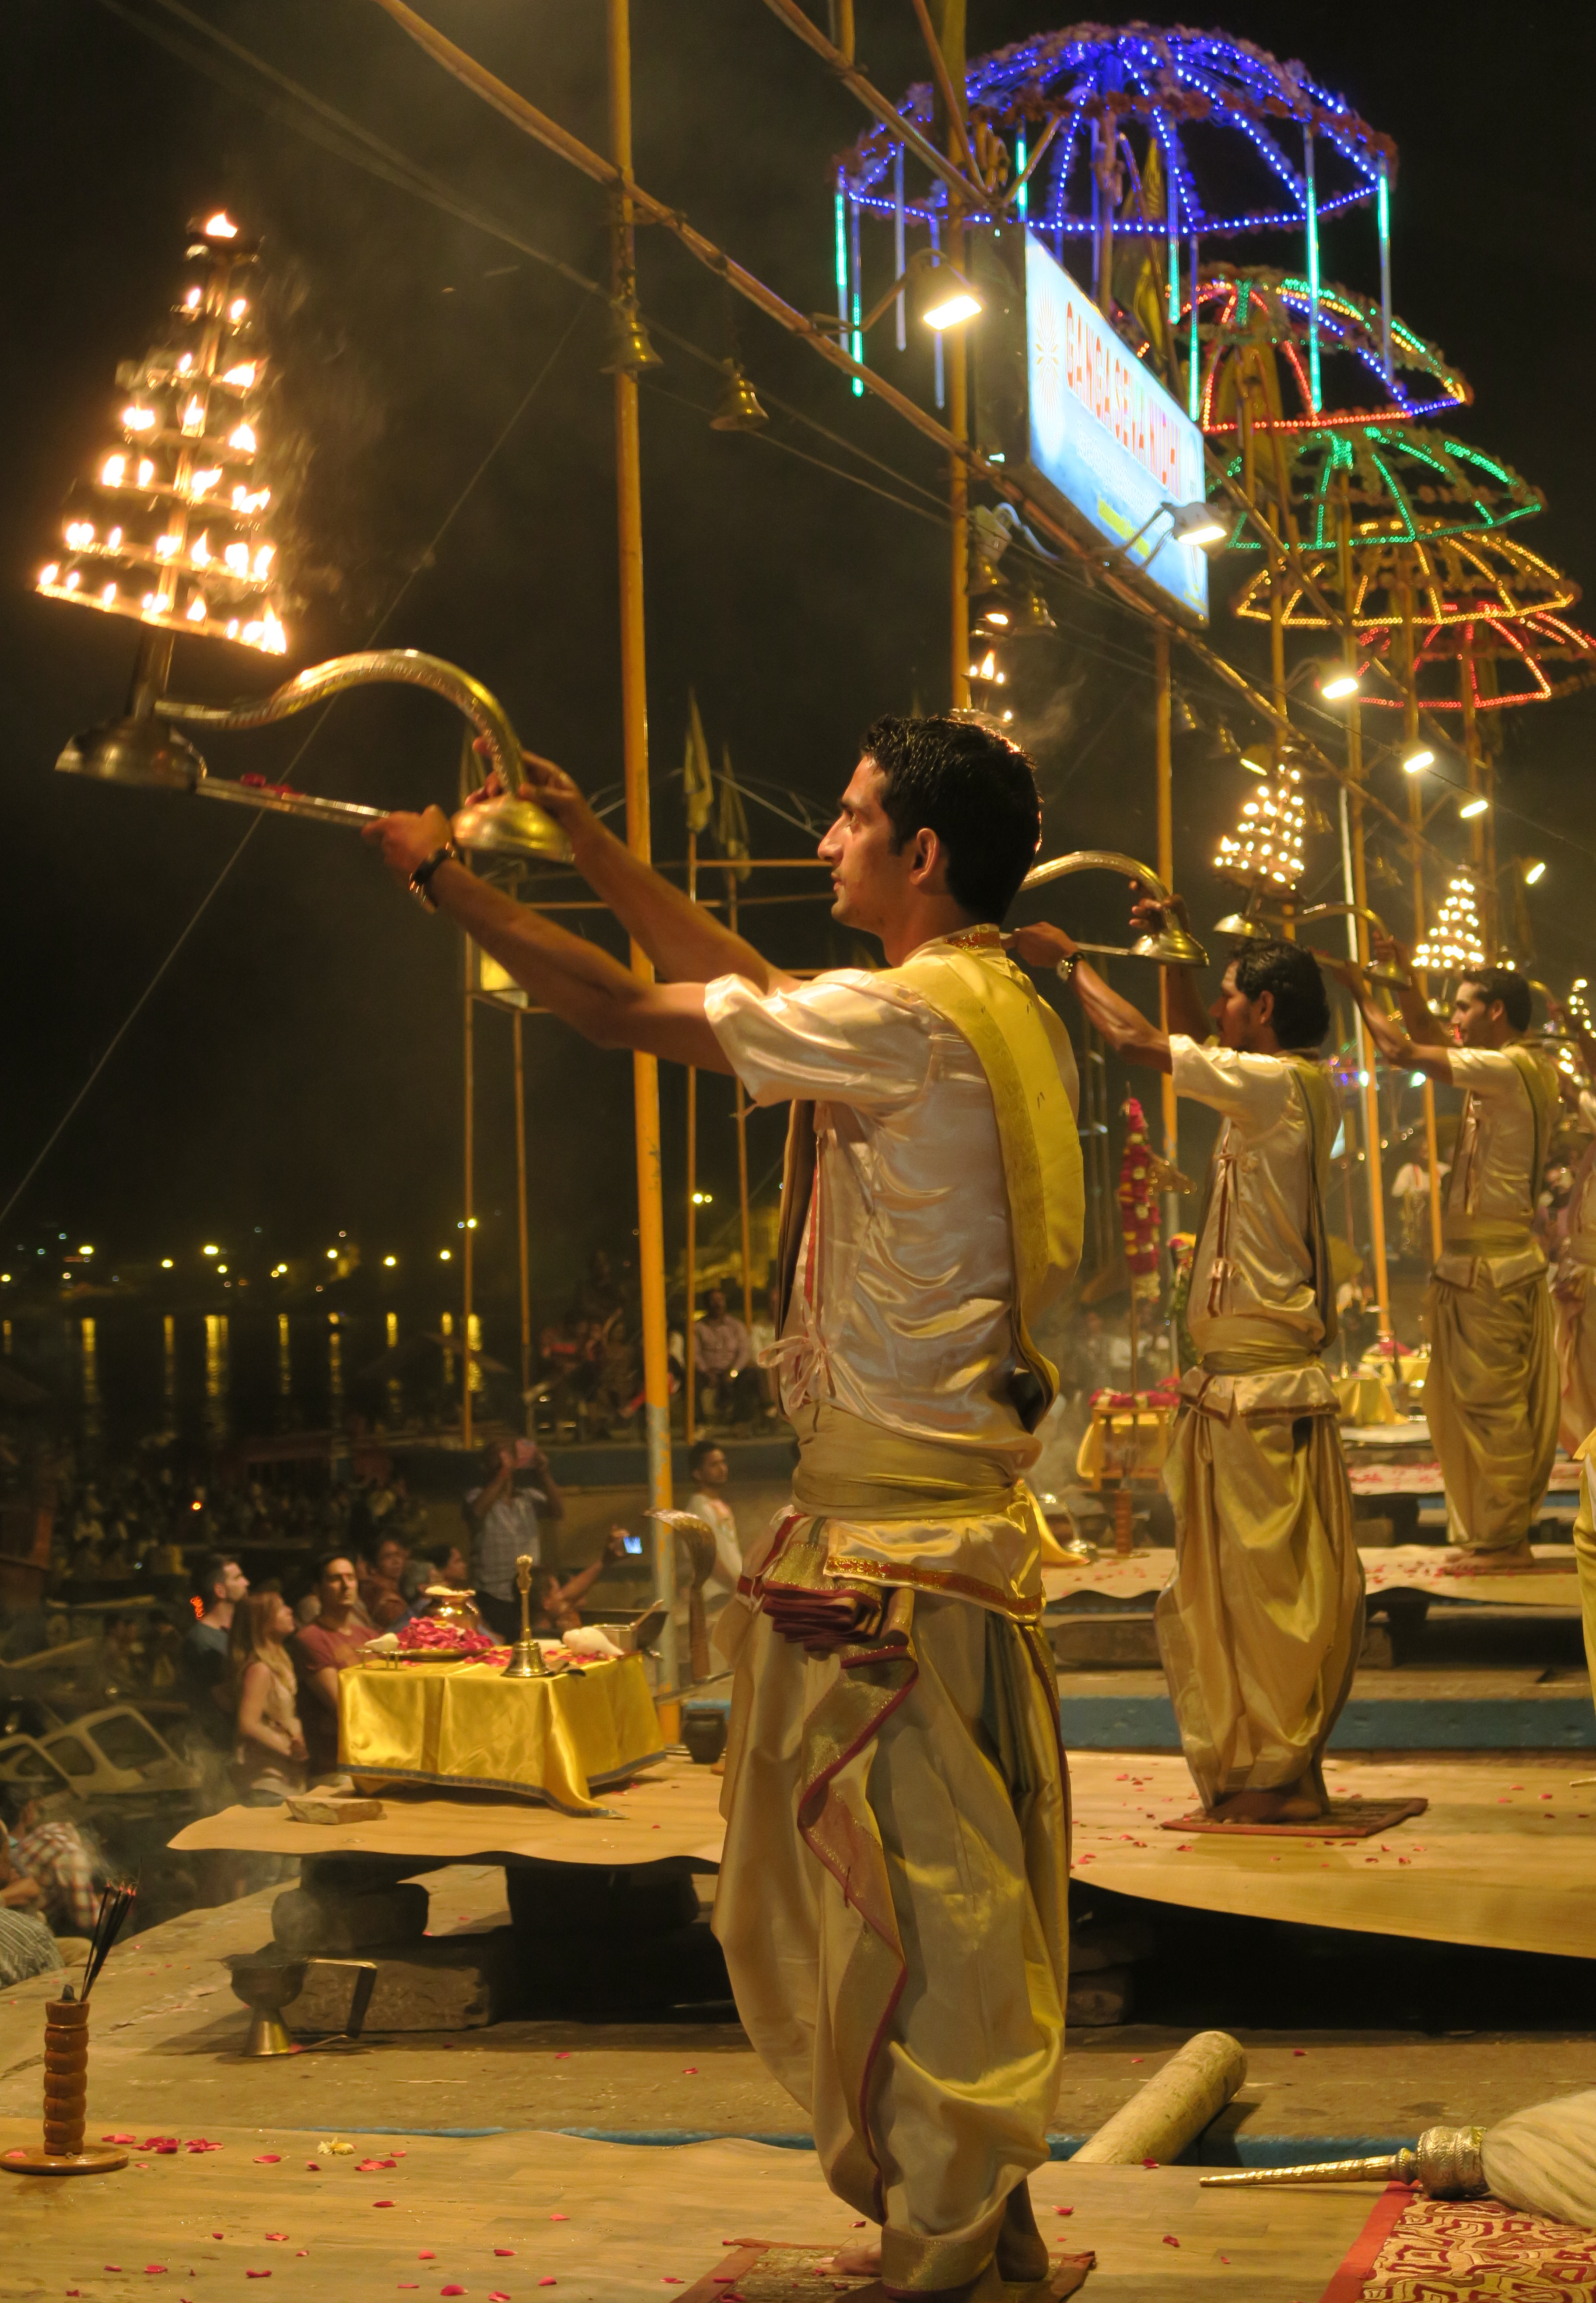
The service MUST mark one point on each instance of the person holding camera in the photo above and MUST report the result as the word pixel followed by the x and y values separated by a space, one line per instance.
pixel 502 1515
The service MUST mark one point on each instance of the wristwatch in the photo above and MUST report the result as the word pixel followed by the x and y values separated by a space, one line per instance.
pixel 421 879
pixel 1066 967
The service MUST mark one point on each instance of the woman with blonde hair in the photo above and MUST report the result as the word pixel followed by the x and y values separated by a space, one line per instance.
pixel 269 1755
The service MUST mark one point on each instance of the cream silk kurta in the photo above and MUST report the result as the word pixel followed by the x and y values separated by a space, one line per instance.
pixel 1491 1393
pixel 1576 1316
pixel 893 1895
pixel 1260 1624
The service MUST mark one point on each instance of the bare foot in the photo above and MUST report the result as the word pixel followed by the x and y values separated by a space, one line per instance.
pixel 857 2259
pixel 1022 2253
pixel 1508 1555
pixel 1249 1807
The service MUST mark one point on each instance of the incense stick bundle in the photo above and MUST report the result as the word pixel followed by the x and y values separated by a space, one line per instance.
pixel 115 1904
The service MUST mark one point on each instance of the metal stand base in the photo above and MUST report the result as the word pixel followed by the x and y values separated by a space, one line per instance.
pixel 94 2159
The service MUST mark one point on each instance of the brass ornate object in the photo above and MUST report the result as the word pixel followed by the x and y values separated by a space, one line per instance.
pixel 144 750
pixel 266 1985
pixel 1174 945
pixel 1379 971
pixel 1445 2166
pixel 526 1657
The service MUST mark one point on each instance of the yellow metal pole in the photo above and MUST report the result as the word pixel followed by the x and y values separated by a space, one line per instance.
pixel 522 1244
pixel 635 724
pixel 742 1108
pixel 689 1379
pixel 468 1235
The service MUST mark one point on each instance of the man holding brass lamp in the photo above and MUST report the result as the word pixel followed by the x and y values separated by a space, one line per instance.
pixel 1260 1625
pixel 893 1893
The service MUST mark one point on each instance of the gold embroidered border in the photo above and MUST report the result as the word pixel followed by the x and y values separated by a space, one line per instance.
pixel 940 1579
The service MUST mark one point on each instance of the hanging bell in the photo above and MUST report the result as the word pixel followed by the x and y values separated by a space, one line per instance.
pixel 739 409
pixel 1247 926
pixel 630 351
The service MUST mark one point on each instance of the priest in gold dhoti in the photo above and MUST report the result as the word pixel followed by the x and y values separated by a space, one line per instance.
pixel 1492 1394
pixel 1260 1625
pixel 893 1895
pixel 1574 1303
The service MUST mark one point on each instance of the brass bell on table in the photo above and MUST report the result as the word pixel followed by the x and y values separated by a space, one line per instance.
pixel 526 1657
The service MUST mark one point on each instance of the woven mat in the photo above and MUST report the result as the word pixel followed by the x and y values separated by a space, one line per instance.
pixel 763 2271
pixel 1464 2251
pixel 1347 1819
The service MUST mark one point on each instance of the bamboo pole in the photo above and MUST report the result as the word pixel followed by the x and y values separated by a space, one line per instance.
pixel 689 1371
pixel 1415 817
pixel 522 1242
pixel 1360 897
pixel 1165 765
pixel 948 56
pixel 645 1070
pixel 741 1116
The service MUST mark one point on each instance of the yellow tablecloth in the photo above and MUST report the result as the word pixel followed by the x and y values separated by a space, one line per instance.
pixel 1107 1441
pixel 555 1738
pixel 1364 1399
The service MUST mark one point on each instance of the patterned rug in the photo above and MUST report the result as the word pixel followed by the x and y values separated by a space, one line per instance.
pixel 1347 1819
pixel 764 2270
pixel 1418 2250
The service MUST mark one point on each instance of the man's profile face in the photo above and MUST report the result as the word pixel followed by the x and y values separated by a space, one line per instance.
pixel 713 1469
pixel 868 879
pixel 235 1583
pixel 1237 1017
pixel 1473 1023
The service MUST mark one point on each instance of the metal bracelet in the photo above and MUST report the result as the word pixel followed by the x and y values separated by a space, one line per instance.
pixel 421 879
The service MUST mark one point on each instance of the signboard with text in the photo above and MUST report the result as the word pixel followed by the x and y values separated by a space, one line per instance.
pixel 1106 435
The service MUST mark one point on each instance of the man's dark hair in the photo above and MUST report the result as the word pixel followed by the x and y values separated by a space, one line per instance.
pixel 1301 1016
pixel 698 1451
pixel 207 1583
pixel 975 789
pixel 1505 984
pixel 318 1572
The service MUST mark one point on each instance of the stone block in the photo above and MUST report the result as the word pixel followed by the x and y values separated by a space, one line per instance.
pixel 1102 1996
pixel 337 1924
pixel 448 1983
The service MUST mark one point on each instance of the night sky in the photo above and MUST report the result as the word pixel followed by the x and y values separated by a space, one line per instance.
pixel 297 1069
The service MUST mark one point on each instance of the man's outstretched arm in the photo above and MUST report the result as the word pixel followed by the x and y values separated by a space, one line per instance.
pixel 1423 1027
pixel 687 943
pixel 1125 1028
pixel 1389 1033
pixel 572 979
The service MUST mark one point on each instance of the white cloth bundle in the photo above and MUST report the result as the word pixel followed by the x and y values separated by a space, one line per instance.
pixel 1543 2160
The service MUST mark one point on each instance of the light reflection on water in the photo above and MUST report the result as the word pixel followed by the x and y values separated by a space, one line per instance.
pixel 90 1377
pixel 127 1374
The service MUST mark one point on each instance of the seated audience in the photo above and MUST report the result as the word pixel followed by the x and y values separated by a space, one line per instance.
pixel 554 1603
pixel 269 1755
pixel 52 1857
pixel 381 1587
pixel 321 1650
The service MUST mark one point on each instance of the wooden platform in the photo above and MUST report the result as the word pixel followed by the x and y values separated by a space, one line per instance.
pixel 601 2222
pixel 673 1810
pixel 1427 1568
pixel 1504 1856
